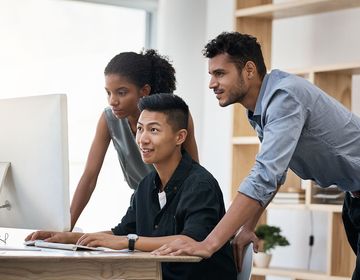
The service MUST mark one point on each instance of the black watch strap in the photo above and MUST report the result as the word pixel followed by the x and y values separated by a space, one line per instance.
pixel 131 244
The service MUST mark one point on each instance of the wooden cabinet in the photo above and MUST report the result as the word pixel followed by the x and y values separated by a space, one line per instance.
pixel 255 17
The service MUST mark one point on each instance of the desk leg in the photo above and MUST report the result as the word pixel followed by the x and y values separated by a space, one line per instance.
pixel 80 269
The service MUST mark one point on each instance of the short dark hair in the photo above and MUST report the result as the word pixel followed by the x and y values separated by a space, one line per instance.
pixel 241 48
pixel 147 67
pixel 175 108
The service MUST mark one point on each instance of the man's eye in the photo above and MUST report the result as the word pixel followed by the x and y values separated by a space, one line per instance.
pixel 139 128
pixel 154 129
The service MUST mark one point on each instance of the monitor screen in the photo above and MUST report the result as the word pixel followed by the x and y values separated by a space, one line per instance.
pixel 34 165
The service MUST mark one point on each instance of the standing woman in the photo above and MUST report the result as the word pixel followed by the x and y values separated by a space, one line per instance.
pixel 128 77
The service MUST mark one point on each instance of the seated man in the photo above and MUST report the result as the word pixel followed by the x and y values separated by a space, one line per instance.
pixel 180 200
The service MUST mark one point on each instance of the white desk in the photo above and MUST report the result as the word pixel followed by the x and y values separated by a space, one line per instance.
pixel 55 265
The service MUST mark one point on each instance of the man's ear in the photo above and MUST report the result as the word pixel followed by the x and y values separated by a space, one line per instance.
pixel 145 90
pixel 181 136
pixel 250 69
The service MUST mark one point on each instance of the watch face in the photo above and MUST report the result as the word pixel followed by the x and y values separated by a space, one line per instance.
pixel 132 236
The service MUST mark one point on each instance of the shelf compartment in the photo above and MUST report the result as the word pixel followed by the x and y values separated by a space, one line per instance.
pixel 293 8
pixel 243 161
pixel 241 124
pixel 295 274
pixel 341 258
pixel 303 206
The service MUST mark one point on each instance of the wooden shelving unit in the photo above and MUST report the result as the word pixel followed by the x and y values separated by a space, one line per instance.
pixel 255 17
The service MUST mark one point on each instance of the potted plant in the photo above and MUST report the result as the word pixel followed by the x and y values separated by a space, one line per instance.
pixel 270 237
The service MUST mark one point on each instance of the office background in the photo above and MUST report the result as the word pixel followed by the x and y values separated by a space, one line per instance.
pixel 179 29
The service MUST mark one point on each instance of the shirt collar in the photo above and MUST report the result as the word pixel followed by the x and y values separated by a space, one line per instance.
pixel 178 177
pixel 257 111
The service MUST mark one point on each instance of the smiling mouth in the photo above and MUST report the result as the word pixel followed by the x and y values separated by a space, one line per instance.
pixel 218 91
pixel 145 151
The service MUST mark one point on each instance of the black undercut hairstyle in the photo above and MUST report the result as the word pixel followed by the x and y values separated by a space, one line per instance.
pixel 241 48
pixel 175 108
pixel 147 67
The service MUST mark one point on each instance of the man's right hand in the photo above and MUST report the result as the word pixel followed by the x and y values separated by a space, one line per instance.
pixel 243 237
pixel 53 236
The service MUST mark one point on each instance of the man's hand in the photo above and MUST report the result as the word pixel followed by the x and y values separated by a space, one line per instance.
pixel 243 238
pixel 186 246
pixel 53 236
pixel 103 240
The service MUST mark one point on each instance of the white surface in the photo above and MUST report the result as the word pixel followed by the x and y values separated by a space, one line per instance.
pixel 247 264
pixel 34 140
pixel 18 248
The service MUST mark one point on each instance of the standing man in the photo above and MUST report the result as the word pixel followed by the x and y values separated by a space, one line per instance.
pixel 300 127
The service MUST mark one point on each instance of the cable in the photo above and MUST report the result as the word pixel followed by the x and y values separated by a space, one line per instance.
pixel 5 238
pixel 311 238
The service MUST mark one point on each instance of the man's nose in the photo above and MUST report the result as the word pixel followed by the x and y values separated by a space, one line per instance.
pixel 213 83
pixel 143 137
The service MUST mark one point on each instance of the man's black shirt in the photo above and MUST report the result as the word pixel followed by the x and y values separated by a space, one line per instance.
pixel 194 205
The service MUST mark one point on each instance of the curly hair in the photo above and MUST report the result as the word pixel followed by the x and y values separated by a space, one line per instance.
pixel 241 48
pixel 146 67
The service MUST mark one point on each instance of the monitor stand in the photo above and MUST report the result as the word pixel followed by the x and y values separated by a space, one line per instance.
pixel 4 166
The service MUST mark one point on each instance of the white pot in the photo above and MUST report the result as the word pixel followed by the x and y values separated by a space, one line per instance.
pixel 262 259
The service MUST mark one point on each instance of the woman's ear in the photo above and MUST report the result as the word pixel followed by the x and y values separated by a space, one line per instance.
pixel 181 136
pixel 145 90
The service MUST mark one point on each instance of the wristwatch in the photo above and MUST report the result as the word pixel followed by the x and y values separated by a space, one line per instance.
pixel 132 239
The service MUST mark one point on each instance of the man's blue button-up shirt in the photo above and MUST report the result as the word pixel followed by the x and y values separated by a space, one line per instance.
pixel 303 128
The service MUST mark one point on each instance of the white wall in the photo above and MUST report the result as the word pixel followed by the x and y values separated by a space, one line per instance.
pixel 181 36
pixel 184 27
pixel 53 46
pixel 299 42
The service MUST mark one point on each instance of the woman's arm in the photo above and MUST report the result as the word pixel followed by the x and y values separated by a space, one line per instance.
pixel 190 142
pixel 93 165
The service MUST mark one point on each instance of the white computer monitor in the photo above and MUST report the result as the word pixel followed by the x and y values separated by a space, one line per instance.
pixel 34 169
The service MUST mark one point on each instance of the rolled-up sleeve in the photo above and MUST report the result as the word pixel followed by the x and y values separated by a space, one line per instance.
pixel 283 121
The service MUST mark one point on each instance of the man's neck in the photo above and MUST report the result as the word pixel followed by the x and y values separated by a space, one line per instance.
pixel 250 100
pixel 166 168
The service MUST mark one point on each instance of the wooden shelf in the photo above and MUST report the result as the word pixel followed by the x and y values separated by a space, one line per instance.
pixel 295 8
pixel 345 68
pixel 295 274
pixel 256 17
pixel 302 206
pixel 245 140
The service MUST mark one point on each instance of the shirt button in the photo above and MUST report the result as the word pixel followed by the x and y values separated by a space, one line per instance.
pixel 175 189
pixel 156 226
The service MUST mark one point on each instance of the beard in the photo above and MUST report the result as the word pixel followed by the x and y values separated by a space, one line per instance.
pixel 236 94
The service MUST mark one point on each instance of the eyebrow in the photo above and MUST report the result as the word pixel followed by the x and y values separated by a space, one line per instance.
pixel 217 70
pixel 119 88
pixel 150 123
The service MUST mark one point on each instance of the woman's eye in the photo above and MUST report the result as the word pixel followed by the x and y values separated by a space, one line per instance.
pixel 122 92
